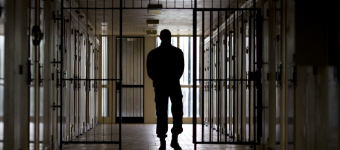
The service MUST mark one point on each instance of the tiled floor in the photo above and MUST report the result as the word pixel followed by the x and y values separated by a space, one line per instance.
pixel 142 137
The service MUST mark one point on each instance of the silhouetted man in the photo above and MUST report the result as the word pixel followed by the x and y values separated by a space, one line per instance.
pixel 165 66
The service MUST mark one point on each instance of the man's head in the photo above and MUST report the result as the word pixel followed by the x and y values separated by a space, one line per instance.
pixel 165 36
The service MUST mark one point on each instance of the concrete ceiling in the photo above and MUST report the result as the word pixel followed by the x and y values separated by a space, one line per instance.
pixel 178 21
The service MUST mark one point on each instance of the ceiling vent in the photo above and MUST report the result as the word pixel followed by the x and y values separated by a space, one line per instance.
pixel 151 32
pixel 154 9
pixel 152 23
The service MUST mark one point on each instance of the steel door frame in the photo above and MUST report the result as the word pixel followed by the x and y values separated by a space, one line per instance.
pixel 119 118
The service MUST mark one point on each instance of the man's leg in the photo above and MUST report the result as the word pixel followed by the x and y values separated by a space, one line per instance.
pixel 177 113
pixel 161 99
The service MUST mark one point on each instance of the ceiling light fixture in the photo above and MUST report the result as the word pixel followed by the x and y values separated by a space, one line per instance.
pixel 152 23
pixel 151 32
pixel 155 9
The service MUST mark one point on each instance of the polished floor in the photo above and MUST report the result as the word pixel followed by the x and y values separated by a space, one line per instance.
pixel 143 137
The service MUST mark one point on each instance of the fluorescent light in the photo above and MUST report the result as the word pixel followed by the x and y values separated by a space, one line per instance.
pixel 151 32
pixel 152 23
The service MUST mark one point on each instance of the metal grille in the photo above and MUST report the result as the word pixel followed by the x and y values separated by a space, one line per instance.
pixel 231 76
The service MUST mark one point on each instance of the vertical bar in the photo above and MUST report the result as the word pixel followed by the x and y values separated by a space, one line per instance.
pixel 73 69
pixel 225 75
pixel 143 73
pixel 95 38
pixel 249 70
pixel 120 71
pixel 218 76
pixel 203 85
pixel 126 72
pixel 61 76
pixel 254 89
pixel 242 76
pixel 194 74
pixel 133 78
pixel 87 68
pixel 234 86
pixel 140 76
pixel 237 71
pixel 106 80
pixel 259 66
pixel 112 70
pixel 210 46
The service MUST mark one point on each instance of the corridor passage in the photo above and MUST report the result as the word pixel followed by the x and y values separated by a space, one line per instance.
pixel 143 137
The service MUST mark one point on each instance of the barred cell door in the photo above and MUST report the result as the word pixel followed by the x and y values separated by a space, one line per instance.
pixel 132 59
pixel 231 62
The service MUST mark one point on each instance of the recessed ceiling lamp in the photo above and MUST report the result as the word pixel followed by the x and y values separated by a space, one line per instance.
pixel 152 23
pixel 151 32
pixel 154 9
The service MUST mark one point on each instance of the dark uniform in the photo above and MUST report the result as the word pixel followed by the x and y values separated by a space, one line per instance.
pixel 165 66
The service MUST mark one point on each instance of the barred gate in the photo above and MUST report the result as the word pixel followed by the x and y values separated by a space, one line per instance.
pixel 230 76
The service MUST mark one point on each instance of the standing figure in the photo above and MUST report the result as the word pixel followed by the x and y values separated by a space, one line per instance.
pixel 165 66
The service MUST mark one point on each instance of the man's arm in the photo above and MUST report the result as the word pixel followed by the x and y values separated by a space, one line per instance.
pixel 150 66
pixel 181 64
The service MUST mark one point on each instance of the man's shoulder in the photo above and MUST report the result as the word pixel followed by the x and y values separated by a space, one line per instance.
pixel 153 51
pixel 176 48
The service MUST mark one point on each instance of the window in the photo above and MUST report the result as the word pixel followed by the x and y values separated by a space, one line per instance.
pixel 105 75
pixel 186 45
pixel 105 60
pixel 105 102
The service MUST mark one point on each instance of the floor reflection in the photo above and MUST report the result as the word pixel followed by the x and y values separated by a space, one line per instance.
pixel 143 137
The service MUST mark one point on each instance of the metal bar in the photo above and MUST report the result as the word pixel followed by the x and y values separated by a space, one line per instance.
pixel 112 71
pixel 237 71
pixel 210 47
pixel 73 70
pixel 259 66
pixel 226 76
pixel 249 68
pixel 195 72
pixel 218 76
pixel 197 9
pixel 230 55
pixel 133 72
pixel 202 41
pixel 234 76
pixel 61 76
pixel 120 72
pixel 143 72
pixel 95 35
pixel 224 79
pixel 254 89
pixel 140 77
pixel 237 143
pixel 92 79
pixel 87 68
pixel 91 142
pixel 126 72
pixel 105 56
pixel 242 76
